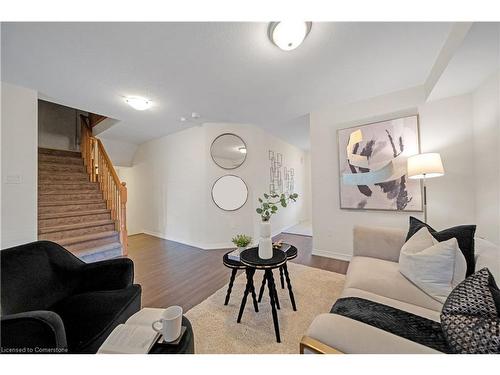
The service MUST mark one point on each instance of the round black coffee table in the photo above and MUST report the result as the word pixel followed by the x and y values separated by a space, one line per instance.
pixel 250 258
pixel 291 253
pixel 185 346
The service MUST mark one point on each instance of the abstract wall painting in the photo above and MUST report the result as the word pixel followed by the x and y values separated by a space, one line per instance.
pixel 372 161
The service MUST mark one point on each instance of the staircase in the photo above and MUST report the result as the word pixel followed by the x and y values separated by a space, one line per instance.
pixel 72 210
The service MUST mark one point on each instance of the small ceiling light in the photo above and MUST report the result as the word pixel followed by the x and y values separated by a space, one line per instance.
pixel 138 102
pixel 288 35
pixel 183 119
pixel 243 150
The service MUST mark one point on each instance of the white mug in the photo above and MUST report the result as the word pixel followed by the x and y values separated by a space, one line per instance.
pixel 171 321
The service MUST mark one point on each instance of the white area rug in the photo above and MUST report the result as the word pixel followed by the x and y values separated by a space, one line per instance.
pixel 216 331
pixel 302 229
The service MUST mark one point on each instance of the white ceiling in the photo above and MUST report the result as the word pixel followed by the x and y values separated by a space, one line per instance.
pixel 227 72
pixel 474 61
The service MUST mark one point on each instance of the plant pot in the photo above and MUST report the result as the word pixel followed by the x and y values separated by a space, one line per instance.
pixel 240 249
pixel 265 241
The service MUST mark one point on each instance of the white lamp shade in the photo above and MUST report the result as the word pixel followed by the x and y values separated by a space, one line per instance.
pixel 425 165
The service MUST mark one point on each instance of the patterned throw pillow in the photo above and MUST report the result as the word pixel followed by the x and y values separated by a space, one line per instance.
pixel 470 316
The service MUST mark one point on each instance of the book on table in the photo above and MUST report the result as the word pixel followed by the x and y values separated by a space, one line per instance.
pixel 234 255
pixel 136 336
pixel 284 247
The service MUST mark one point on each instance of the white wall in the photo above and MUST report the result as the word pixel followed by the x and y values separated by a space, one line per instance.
pixel 57 126
pixel 121 153
pixel 307 214
pixel 486 125
pixel 19 165
pixel 221 226
pixel 126 174
pixel 168 175
pixel 445 127
pixel 171 179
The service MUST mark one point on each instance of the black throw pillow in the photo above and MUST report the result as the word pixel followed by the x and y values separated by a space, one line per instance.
pixel 470 317
pixel 463 233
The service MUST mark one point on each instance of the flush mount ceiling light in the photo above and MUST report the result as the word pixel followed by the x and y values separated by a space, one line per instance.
pixel 288 35
pixel 138 102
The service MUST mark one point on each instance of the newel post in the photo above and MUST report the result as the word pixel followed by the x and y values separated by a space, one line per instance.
pixel 123 219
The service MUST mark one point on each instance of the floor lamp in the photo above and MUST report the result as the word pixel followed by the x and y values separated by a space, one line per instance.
pixel 423 166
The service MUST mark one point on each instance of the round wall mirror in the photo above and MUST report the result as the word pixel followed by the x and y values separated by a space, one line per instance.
pixel 228 151
pixel 229 193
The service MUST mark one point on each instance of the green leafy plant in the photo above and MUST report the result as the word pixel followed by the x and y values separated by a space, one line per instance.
pixel 242 240
pixel 269 204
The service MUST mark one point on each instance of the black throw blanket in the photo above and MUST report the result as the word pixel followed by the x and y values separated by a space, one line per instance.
pixel 401 323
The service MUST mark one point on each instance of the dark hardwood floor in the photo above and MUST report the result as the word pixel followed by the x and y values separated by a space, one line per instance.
pixel 172 273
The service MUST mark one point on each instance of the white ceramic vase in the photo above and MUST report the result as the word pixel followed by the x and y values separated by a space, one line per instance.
pixel 265 241
pixel 240 249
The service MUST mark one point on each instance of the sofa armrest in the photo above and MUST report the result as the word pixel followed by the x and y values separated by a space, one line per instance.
pixel 109 274
pixel 33 332
pixel 378 242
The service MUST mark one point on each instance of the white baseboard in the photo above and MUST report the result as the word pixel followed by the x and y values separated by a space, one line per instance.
pixel 204 246
pixel 332 254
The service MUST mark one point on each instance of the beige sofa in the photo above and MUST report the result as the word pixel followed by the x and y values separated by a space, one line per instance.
pixel 373 274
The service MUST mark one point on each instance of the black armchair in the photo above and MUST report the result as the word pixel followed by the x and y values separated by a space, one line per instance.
pixel 52 302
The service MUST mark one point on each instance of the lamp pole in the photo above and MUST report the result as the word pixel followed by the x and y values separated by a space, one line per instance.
pixel 425 201
pixel 422 165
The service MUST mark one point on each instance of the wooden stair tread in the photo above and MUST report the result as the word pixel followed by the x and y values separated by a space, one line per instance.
pixel 62 153
pixel 62 228
pixel 65 203
pixel 86 238
pixel 64 182
pixel 69 191
pixel 45 189
pixel 97 249
pixel 56 164
pixel 76 160
pixel 45 173
pixel 63 177
pixel 46 165
pixel 57 215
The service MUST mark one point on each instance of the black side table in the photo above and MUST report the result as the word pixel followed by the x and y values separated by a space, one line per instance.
pixel 291 253
pixel 185 346
pixel 250 258
pixel 234 265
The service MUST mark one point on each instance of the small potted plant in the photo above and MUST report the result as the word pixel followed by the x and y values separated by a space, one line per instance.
pixel 241 241
pixel 268 206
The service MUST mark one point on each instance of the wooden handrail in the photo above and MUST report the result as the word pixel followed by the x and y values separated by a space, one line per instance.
pixel 107 160
pixel 101 170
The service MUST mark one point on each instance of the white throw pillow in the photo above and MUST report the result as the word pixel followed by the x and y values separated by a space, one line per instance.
pixel 435 267
pixel 488 255
pixel 460 269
